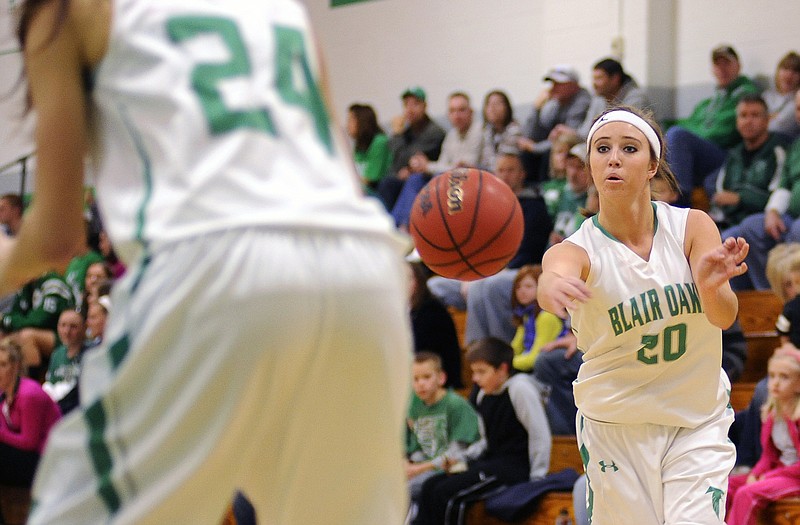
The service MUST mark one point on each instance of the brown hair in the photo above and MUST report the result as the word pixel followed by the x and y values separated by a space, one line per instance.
pixel 528 270
pixel 425 356
pixel 663 171
pixel 492 351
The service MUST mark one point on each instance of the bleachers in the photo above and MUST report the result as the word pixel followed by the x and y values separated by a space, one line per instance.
pixel 758 311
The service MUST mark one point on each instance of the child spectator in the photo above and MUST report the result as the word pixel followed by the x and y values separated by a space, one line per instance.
pixel 777 473
pixel 441 424
pixel 65 363
pixel 28 416
pixel 515 441
pixel 432 326
pixel 75 275
pixel 96 274
pixel 788 324
pixel 535 327
pixel 96 318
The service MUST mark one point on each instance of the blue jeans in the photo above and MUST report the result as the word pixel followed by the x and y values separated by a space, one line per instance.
pixel 752 229
pixel 692 159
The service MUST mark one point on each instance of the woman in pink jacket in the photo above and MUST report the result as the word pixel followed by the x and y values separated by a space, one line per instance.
pixel 777 473
pixel 28 414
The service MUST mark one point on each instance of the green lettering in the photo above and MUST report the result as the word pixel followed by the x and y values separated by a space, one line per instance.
pixel 636 317
pixel 683 300
pixel 642 298
pixel 655 304
pixel 614 317
pixel 672 300
pixel 691 290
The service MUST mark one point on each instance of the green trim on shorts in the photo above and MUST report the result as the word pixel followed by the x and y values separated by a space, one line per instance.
pixel 147 172
pixel 95 416
pixel 118 351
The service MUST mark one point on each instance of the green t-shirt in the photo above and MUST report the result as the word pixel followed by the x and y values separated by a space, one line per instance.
pixel 76 273
pixel 431 429
pixel 373 164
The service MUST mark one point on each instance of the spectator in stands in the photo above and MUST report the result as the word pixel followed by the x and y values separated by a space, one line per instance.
pixel 370 145
pixel 65 362
pixel 75 275
pixel 500 130
pixel 552 187
pixel 752 169
pixel 515 442
pixel 564 102
pixel 487 300
pixel 413 132
pixel 572 199
pixel 96 274
pixel 11 207
pixel 33 318
pixel 110 256
pixel 432 326
pixel 777 473
pixel 613 86
pixel 697 145
pixel 96 318
pixel 441 425
pixel 461 148
pixel 780 97
pixel 776 224
pixel 28 416
pixel 462 142
pixel 535 327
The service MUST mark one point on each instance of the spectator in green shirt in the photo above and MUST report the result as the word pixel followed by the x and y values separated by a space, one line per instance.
pixel 697 145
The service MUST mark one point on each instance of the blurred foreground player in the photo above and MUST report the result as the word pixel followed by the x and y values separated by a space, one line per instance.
pixel 256 339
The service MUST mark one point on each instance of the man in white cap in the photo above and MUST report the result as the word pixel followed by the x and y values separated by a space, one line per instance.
pixel 565 102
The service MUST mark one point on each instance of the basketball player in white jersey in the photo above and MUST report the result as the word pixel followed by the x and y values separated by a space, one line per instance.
pixel 260 341
pixel 647 288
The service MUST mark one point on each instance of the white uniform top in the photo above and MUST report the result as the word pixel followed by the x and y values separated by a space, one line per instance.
pixel 650 353
pixel 209 116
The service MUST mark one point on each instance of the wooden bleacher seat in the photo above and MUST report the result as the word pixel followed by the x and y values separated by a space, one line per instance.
pixel 758 311
pixel 15 503
pixel 564 454
pixel 782 512
pixel 741 394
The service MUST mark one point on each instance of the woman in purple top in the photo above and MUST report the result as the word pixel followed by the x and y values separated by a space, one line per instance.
pixel 28 414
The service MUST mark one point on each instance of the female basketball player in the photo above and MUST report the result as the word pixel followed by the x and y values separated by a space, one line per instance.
pixel 255 341
pixel 647 287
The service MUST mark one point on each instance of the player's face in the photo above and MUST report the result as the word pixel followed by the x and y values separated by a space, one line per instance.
pixel 70 328
pixel 783 379
pixel 8 371
pixel 459 113
pixel 526 290
pixel 620 159
pixel 427 381
pixel 752 121
pixel 487 377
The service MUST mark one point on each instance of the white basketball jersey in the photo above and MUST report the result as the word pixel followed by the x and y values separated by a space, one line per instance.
pixel 650 353
pixel 209 115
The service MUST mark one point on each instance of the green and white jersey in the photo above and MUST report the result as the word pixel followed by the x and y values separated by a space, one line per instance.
pixel 210 116
pixel 650 353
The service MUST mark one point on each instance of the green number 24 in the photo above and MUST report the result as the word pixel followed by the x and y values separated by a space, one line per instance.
pixel 290 54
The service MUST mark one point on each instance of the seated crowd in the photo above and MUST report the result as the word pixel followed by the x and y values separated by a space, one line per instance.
pixel 739 146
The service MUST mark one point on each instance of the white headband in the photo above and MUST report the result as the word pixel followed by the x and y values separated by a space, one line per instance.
pixel 620 115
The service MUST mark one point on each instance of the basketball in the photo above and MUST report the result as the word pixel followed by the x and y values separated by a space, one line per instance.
pixel 466 224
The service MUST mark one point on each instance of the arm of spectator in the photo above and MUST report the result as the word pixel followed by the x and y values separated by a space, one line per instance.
pixel 32 411
pixel 529 409
pixel 56 298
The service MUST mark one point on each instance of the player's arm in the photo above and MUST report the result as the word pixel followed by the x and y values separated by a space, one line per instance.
pixel 55 56
pixel 565 267
pixel 713 263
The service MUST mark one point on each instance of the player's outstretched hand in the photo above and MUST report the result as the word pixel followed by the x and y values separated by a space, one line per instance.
pixel 722 263
pixel 563 292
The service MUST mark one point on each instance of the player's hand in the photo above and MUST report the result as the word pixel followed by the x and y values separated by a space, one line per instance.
pixel 565 292
pixel 722 263
pixel 774 225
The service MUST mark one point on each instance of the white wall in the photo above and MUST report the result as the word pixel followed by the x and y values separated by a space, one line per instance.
pixel 377 48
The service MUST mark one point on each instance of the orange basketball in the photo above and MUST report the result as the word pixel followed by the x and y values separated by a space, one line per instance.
pixel 466 224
